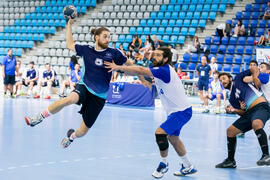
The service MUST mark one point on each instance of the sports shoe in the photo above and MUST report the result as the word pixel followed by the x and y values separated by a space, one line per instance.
pixel 6 96
pixel 218 111
pixel 265 160
pixel 37 96
pixel 161 170
pixel 67 141
pixel 206 111
pixel 62 95
pixel 47 97
pixel 185 171
pixel 32 121
pixel 12 96
pixel 227 164
pixel 240 135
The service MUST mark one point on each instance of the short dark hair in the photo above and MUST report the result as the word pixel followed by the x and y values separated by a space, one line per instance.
pixel 216 72
pixel 74 59
pixel 166 54
pixel 253 61
pixel 47 64
pixel 226 74
pixel 32 62
pixel 267 65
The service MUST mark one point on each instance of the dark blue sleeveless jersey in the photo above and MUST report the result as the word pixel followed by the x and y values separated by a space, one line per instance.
pixel 94 75
pixel 48 75
pixel 32 73
pixel 242 91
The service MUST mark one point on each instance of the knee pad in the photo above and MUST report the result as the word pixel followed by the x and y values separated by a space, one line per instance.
pixel 162 141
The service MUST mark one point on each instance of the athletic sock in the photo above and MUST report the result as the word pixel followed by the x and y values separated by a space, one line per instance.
pixel 231 145
pixel 185 160
pixel 262 138
pixel 45 113
pixel 73 136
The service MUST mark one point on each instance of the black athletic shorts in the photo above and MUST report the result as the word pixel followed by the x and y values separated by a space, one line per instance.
pixel 260 111
pixel 9 79
pixel 53 84
pixel 23 82
pixel 91 105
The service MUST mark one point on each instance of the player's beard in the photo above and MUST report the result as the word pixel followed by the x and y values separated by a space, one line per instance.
pixel 229 85
pixel 157 64
pixel 102 45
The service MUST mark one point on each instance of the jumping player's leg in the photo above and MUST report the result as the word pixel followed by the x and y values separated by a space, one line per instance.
pixel 53 108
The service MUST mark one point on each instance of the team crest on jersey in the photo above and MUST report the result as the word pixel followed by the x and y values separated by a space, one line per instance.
pixel 108 55
pixel 99 62
pixel 161 91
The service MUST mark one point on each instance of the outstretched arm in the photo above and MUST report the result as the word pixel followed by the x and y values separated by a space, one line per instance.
pixel 69 38
pixel 132 70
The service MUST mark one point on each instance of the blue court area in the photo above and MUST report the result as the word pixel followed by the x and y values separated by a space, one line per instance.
pixel 120 146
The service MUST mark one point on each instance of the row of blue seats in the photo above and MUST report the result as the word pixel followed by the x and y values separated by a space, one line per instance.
pixel 232 40
pixel 166 38
pixel 221 58
pixel 261 1
pixel 231 49
pixel 252 23
pixel 22 36
pixel 16 51
pixel 42 10
pixel 51 22
pixel 30 29
pixel 202 2
pixel 17 44
pixel 162 30
pixel 255 7
pixel 235 69
pixel 183 15
pixel 71 2
pixel 173 23
pixel 248 15
pixel 40 16
pixel 193 8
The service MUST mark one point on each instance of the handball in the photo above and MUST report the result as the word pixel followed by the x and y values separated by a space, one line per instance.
pixel 70 11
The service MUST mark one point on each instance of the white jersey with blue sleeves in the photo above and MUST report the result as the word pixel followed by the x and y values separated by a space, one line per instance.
pixel 170 89
pixel 265 80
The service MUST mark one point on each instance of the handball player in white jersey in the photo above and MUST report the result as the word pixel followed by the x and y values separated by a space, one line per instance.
pixel 175 103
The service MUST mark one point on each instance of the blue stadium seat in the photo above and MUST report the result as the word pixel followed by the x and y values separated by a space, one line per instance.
pixel 146 30
pixel 191 66
pixel 194 23
pixel 175 15
pixel 262 23
pixel 255 15
pixel 181 39
pixel 185 7
pixel 184 31
pixel 153 15
pixel 46 30
pixel 204 15
pixel 208 40
pixel 260 31
pixel 222 49
pixel 242 40
pixel 139 30
pixel 253 23
pixel 199 8
pixel 247 58
pixel 52 30
pixel 160 15
pixel 202 23
pixel 214 8
pixel 23 29
pixel 143 22
pixel 169 30
pixel 154 30
pixel 229 59
pixel 177 8
pixel 206 8
pixel 186 23
pixel 186 57
pixel 197 15
pixel 189 15
pixel 121 38
pixel 220 58
pixel 173 1
pixel 216 39
pixel 173 39
pixel 183 66
pixel 256 7
pixel 167 15
pixel 129 38
pixel 222 8
pixel 233 40
pixel 194 57
pixel 150 22
pixel 170 8
pixel 238 59
pixel 246 15
pixel 250 40
pixel 225 40
pixel 249 49
pixel 179 22
pixel 248 7
pixel 213 49
pixel 182 15
pixel 163 8
pixel 212 15
pixel 157 22
pixel 166 39
pixel 236 69
pixel 238 15
pixel 164 23
pixel 231 49
pixel 172 22
pixel 161 31
pixel 219 67
pixel 29 37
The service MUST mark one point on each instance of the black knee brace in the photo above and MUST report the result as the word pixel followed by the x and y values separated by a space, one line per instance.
pixel 162 141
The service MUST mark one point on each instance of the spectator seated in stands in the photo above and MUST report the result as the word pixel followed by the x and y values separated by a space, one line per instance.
pixel 75 76
pixel 113 45
pixel 216 91
pixel 49 80
pixel 175 54
pixel 213 65
pixel 264 39
pixel 267 12
pixel 73 61
pixel 136 43
pixel 31 78
pixel 180 73
pixel 239 29
pixel 122 49
pixel 224 30
pixel 18 79
pixel 157 42
pixel 195 46
pixel 148 47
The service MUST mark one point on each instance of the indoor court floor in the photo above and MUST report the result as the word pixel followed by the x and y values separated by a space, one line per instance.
pixel 120 146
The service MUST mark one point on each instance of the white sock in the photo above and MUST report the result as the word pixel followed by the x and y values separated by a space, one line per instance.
pixel 185 160
pixel 73 136
pixel 164 160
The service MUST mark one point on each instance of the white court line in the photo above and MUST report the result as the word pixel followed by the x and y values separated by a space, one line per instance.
pixel 255 167
pixel 104 158
pixel 11 168
pixel 77 160
pixel 38 164
pixel 24 166
pixel 1 169
pixel 90 159
pixel 64 161
pixel 51 162
pixel 117 157
pixel 129 156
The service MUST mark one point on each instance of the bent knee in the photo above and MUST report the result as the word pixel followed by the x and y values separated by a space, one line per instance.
pixel 257 124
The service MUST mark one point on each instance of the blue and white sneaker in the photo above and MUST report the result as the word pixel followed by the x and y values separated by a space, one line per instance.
pixel 161 170
pixel 185 171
